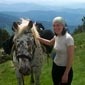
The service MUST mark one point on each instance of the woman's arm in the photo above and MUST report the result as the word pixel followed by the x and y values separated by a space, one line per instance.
pixel 70 53
pixel 46 42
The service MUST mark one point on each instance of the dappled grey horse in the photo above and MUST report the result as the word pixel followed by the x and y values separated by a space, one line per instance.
pixel 27 52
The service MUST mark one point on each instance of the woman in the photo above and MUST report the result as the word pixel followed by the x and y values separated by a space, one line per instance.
pixel 63 42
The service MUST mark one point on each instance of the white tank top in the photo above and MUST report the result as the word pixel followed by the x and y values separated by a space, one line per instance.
pixel 60 46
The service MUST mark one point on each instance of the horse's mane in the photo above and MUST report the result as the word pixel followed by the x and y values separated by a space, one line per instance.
pixel 46 34
pixel 35 34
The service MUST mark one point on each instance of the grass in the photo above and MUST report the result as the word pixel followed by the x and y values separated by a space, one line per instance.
pixel 7 74
pixel 79 60
pixel 8 77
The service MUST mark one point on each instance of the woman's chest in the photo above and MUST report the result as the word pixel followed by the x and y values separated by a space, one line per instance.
pixel 60 45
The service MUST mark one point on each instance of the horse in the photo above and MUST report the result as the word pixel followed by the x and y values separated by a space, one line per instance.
pixel 27 51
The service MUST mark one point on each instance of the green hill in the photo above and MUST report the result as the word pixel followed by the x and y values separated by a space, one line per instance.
pixel 7 73
pixel 79 59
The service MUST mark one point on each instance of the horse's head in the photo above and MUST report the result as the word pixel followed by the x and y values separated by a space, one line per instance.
pixel 24 44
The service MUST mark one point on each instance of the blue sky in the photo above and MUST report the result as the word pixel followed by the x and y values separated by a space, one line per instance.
pixel 44 2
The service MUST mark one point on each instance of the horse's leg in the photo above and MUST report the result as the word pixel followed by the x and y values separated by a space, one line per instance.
pixel 37 65
pixel 32 77
pixel 37 72
pixel 19 78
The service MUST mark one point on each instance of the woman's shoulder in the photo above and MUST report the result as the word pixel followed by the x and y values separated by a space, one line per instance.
pixel 68 36
pixel 69 39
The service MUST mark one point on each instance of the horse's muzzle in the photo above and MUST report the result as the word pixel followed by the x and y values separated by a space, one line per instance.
pixel 24 65
pixel 25 71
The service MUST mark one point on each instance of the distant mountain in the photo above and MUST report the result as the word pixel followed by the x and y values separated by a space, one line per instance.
pixel 6 21
pixel 72 16
pixel 43 14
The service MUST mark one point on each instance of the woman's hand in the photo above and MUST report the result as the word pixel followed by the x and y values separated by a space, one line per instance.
pixel 65 78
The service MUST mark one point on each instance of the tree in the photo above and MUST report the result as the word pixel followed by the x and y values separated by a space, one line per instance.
pixel 4 35
pixel 83 23
pixel 80 28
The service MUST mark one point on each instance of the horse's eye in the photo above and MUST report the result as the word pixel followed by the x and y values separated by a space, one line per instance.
pixel 17 40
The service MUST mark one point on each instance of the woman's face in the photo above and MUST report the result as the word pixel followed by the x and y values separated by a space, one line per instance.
pixel 58 28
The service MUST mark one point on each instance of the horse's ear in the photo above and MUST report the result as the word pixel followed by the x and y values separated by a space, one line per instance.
pixel 30 24
pixel 14 26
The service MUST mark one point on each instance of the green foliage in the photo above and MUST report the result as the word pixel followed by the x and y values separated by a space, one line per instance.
pixel 3 36
pixel 5 58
